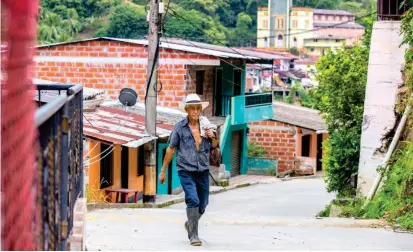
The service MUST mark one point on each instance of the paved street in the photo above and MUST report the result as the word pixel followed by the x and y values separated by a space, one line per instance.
pixel 278 216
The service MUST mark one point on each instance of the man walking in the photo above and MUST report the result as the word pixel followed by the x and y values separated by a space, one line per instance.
pixel 193 139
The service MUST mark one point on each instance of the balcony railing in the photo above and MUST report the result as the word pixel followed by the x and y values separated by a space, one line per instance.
pixel 391 9
pixel 59 162
pixel 257 99
pixel 251 107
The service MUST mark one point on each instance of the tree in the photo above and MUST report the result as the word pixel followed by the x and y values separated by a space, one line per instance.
pixel 72 24
pixel 178 27
pixel 208 7
pixel 127 21
pixel 51 28
pixel 342 77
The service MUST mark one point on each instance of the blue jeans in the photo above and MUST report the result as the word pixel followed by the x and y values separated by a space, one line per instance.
pixel 196 188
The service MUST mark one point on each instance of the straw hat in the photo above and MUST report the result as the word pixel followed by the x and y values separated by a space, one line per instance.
pixel 192 99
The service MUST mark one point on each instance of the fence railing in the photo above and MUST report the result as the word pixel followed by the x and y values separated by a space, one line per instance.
pixel 59 162
pixel 391 9
pixel 257 99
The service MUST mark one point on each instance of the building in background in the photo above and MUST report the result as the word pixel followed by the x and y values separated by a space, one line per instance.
pixel 311 31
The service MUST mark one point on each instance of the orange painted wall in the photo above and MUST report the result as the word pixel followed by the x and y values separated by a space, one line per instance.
pixel 95 194
pixel 134 181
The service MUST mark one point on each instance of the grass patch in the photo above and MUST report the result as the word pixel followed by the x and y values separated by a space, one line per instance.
pixel 394 200
pixel 325 212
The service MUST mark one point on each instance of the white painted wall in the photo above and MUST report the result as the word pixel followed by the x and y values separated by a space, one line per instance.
pixel 384 77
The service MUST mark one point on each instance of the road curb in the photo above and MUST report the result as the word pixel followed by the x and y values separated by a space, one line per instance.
pixel 309 222
pixel 166 203
pixel 301 177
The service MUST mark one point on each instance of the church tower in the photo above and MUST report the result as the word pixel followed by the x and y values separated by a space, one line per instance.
pixel 279 22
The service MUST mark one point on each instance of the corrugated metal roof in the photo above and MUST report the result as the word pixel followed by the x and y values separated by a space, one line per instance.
pixel 121 127
pixel 299 116
pixel 175 44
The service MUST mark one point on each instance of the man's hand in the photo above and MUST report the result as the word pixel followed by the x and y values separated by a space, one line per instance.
pixel 162 177
pixel 210 133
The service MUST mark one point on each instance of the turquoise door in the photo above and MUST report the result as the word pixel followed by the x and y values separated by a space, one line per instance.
pixel 172 179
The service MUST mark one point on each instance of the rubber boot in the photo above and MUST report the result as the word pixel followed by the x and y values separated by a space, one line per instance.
pixel 186 224
pixel 193 218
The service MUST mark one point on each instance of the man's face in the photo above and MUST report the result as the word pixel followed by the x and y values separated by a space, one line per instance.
pixel 194 111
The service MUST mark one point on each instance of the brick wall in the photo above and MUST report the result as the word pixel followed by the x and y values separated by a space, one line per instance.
pixel 278 139
pixel 114 65
pixel 208 94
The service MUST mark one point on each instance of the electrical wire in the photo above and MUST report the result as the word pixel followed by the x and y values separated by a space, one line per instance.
pixel 100 154
pixel 286 35
pixel 90 151
pixel 94 162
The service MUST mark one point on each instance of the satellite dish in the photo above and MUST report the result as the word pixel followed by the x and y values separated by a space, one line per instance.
pixel 128 97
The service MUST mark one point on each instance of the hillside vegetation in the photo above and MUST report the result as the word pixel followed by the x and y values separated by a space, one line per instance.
pixel 226 22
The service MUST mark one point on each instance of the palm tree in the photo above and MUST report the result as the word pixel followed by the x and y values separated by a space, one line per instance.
pixel 53 29
pixel 72 24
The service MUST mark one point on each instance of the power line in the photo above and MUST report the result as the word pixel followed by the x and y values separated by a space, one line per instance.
pixel 186 56
pixel 237 52
pixel 229 63
pixel 286 35
pixel 94 162
pixel 100 154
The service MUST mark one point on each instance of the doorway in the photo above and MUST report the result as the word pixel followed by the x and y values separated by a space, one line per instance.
pixel 236 153
pixel 218 92
pixel 237 82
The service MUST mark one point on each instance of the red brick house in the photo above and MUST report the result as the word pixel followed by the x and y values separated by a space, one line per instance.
pixel 216 73
pixel 293 137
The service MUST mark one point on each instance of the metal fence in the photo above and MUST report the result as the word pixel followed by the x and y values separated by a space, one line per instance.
pixel 391 9
pixel 59 162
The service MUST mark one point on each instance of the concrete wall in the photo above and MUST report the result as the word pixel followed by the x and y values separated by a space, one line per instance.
pixel 384 77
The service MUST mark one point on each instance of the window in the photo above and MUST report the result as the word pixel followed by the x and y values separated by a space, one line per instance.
pixel 200 75
pixel 307 24
pixel 282 23
pixel 315 40
pixel 265 23
pixel 106 166
pixel 295 24
pixel 279 41
pixel 293 13
pixel 337 41
pixel 305 146
pixel 265 42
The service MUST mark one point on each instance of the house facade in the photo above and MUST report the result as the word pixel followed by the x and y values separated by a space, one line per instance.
pixel 283 26
pixel 216 73
pixel 293 137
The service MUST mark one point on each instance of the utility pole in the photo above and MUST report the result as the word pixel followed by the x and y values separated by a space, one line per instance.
pixel 150 176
